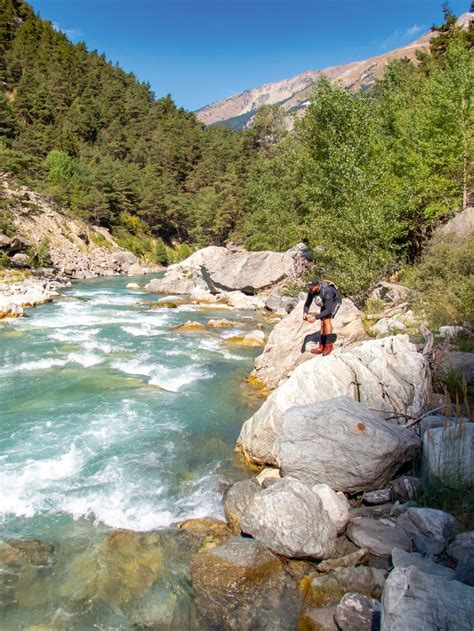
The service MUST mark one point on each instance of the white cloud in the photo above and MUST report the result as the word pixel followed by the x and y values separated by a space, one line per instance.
pixel 69 32
pixel 400 37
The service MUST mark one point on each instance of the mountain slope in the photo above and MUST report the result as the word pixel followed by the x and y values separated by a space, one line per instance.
pixel 293 94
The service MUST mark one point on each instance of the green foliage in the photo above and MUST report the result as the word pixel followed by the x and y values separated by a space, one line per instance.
pixel 6 223
pixel 458 502
pixel 444 280
pixel 161 254
pixel 364 178
pixel 39 254
pixel 3 260
pixel 61 167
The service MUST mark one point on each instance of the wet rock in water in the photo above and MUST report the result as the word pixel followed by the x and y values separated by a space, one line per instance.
pixel 415 600
pixel 190 327
pixel 236 501
pixel 430 530
pixel 209 531
pixel 382 496
pixel 448 454
pixel 405 488
pixel 320 590
pixel 168 606
pixel 135 269
pixel 288 518
pixel 378 537
pixel 359 557
pixel 463 544
pixel 356 612
pixel 122 567
pixel 241 585
pixel 33 551
pixel 465 569
pixel 401 558
pixel 320 442
pixel 317 619
pixel 252 339
pixel 335 504
pixel 383 374
pixel 220 324
pixel 134 286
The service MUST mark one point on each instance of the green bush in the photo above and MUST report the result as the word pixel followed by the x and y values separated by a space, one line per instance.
pixel 39 254
pixel 444 280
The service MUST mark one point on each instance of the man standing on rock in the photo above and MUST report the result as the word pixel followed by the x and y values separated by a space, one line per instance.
pixel 330 303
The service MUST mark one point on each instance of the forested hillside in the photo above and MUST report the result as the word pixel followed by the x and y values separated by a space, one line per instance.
pixel 363 178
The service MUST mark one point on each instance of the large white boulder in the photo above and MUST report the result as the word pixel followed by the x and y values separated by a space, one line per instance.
pixel 288 518
pixel 343 444
pixel 335 505
pixel 415 601
pixel 282 352
pixel 387 375
pixel 219 269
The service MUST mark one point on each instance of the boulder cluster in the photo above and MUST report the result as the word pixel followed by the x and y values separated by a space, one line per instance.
pixel 331 534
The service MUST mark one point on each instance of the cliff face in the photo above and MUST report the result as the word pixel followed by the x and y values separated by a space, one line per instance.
pixel 75 249
pixel 293 94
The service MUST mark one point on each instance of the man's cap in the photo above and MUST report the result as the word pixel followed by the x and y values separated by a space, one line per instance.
pixel 313 283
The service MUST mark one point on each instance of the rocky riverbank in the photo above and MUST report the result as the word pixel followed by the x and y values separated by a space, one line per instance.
pixel 329 534
pixel 333 530
pixel 47 249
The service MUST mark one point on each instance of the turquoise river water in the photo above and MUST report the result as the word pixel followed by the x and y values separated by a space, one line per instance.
pixel 111 419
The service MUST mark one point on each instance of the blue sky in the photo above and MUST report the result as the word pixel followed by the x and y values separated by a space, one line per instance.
pixel 200 51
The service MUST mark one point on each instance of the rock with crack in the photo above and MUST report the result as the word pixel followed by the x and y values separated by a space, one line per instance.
pixel 343 444
pixel 282 353
pixel 220 269
pixel 288 518
pixel 414 600
pixel 379 537
pixel 390 292
pixel 387 375
pixel 430 529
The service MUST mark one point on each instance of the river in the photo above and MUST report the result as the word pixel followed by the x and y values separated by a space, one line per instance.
pixel 110 418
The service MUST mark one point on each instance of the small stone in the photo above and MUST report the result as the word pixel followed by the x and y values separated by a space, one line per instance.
pixel 356 612
pixel 134 286
pixel 430 530
pixel 377 497
pixel 267 473
pixel 358 557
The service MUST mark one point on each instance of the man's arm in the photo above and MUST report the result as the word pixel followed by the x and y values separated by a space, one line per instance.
pixel 307 304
